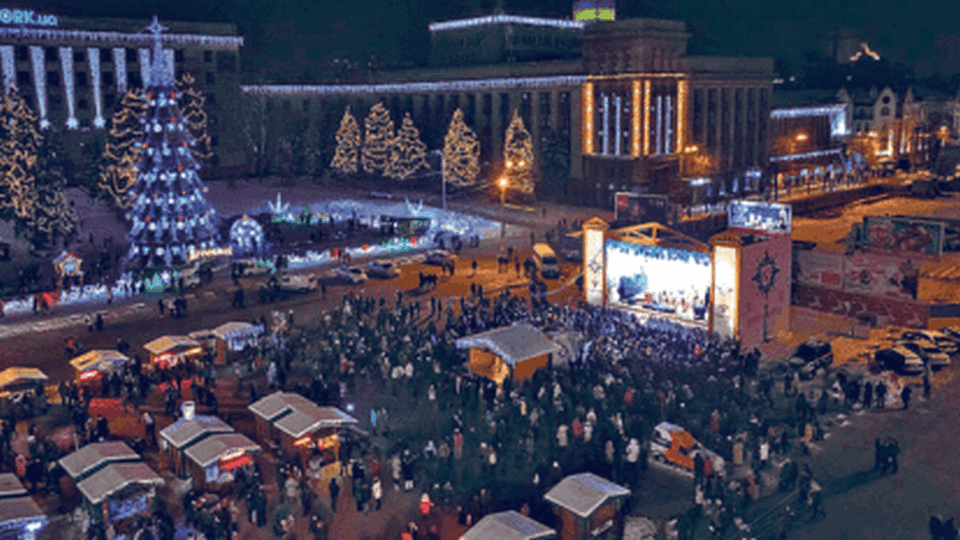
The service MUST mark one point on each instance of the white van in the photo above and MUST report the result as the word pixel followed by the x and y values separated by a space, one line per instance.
pixel 546 261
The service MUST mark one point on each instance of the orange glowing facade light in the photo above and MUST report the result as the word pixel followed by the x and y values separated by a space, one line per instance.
pixel 646 118
pixel 233 454
pixel 89 374
pixel 635 121
pixel 681 111
pixel 304 442
pixel 587 113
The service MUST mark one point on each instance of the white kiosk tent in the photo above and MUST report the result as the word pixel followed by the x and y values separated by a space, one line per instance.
pixel 517 351
pixel 20 516
pixel 509 525
pixel 227 338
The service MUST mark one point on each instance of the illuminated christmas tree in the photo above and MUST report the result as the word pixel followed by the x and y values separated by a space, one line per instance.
pixel 518 156
pixel 121 155
pixel 195 117
pixel 54 217
pixel 378 140
pixel 348 145
pixel 20 140
pixel 461 153
pixel 170 216
pixel 408 154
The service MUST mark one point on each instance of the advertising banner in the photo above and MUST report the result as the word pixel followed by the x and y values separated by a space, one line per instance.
pixel 662 281
pixel 898 236
pixel 887 311
pixel 879 275
pixel 593 269
pixel 771 218
pixel 819 269
pixel 764 306
pixel 635 208
pixel 725 291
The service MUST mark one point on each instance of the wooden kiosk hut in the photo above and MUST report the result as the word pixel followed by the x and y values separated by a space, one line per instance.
pixel 215 460
pixel 516 351
pixel 300 427
pixel 171 350
pixel 588 507
pixel 20 516
pixel 114 483
pixel 188 430
pixel 509 525
pixel 92 365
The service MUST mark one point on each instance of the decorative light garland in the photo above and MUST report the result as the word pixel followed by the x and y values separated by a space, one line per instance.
pixel 66 65
pixel 444 86
pixel 93 59
pixel 122 37
pixel 120 69
pixel 9 68
pixel 39 83
pixel 506 19
pixel 799 112
pixel 819 153
pixel 145 65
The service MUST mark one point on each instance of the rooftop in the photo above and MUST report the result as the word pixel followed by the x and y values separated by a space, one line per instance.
pixel 505 19
pixel 214 447
pixel 584 493
pixel 166 343
pixel 94 455
pixel 10 486
pixel 17 374
pixel 186 431
pixel 296 415
pixel 20 508
pixel 508 525
pixel 115 477
pixel 512 343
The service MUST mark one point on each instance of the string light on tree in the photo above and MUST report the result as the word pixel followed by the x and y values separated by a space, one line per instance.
pixel 518 155
pixel 408 154
pixel 121 155
pixel 378 140
pixel 246 236
pixel 170 216
pixel 348 145
pixel 195 117
pixel 461 153
pixel 19 142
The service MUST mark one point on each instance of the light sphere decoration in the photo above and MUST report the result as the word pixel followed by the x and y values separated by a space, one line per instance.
pixel 246 235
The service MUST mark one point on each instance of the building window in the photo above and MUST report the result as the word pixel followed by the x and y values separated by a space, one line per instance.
pixel 214 141
pixel 226 62
pixel 306 105
pixel 564 113
pixel 545 109
pixel 56 101
pixel 23 79
pixel 504 108
pixel 106 56
pixel 885 100
pixel 208 56
pixel 134 80
pixel 78 57
pixel 211 79
pixel 23 53
pixel 82 104
pixel 885 111
pixel 107 78
pixel 212 99
pixel 132 56
pixel 51 54
pixel 109 99
pixel 178 56
pixel 487 106
pixel 81 79
pixel 53 79
pixel 286 105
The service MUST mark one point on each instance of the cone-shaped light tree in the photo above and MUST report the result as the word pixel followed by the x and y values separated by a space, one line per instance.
pixel 121 155
pixel 170 216
pixel 347 154
pixel 408 154
pixel 20 140
pixel 461 153
pixel 378 140
pixel 195 117
pixel 518 156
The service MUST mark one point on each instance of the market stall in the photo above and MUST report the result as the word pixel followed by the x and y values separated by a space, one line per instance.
pixel 188 430
pixel 301 428
pixel 92 365
pixel 233 337
pixel 588 506
pixel 517 351
pixel 20 516
pixel 215 460
pixel 16 381
pixel 169 351
pixel 509 525
pixel 91 458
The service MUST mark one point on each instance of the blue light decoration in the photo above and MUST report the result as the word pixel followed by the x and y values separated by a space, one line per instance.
pixel 478 85
pixel 40 83
pixel 170 216
pixel 808 155
pixel 120 69
pixel 66 64
pixel 246 236
pixel 93 59
pixel 86 36
pixel 505 19
pixel 837 114
pixel 772 218
pixel 9 67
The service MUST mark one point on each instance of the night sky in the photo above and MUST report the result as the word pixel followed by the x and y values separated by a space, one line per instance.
pixel 294 40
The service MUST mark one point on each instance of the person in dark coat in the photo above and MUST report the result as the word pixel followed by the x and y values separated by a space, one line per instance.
pixel 881 394
pixel 868 395
pixel 936 528
pixel 334 493
pixel 949 530
pixel 905 396
pixel 878 456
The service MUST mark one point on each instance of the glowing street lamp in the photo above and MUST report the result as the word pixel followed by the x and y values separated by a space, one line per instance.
pixel 503 183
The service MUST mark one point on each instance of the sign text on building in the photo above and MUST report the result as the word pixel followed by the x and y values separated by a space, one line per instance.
pixel 27 17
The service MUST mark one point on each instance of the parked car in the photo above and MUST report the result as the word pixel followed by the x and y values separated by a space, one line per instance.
pixel 251 267
pixel 899 359
pixel 927 351
pixel 811 356
pixel 946 342
pixel 382 268
pixel 350 274
pixel 438 256
pixel 300 284
pixel 381 195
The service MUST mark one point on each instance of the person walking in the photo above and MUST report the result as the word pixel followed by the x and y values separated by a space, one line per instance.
pixel 878 456
pixel 881 394
pixel 893 454
pixel 949 530
pixel 867 395
pixel 377 491
pixel 150 427
pixel 334 488
pixel 905 396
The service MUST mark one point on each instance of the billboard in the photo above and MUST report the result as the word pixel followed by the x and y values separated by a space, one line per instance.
pixel 898 236
pixel 661 281
pixel 819 269
pixel 886 311
pixel 635 208
pixel 593 265
pixel 760 216
pixel 764 306
pixel 594 10
pixel 725 291
pixel 879 275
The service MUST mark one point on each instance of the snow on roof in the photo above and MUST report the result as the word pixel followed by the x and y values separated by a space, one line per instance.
pixel 10 485
pixel 94 455
pixel 233 330
pixel 512 343
pixel 214 447
pixel 165 343
pixel 115 477
pixel 17 374
pixel 509 525
pixel 20 508
pixel 583 493
pixel 183 432
pixel 100 359
pixel 296 415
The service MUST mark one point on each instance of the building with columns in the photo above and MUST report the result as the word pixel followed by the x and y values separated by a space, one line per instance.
pixel 74 72
pixel 631 104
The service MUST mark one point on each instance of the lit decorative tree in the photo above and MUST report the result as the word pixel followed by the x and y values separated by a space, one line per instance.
pixel 408 154
pixel 170 216
pixel 53 217
pixel 518 156
pixel 20 140
pixel 121 154
pixel 195 117
pixel 377 141
pixel 461 153
pixel 348 145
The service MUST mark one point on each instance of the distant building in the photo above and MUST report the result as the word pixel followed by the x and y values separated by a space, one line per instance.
pixel 807 132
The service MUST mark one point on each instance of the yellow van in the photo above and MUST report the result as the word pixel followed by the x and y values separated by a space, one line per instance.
pixel 546 261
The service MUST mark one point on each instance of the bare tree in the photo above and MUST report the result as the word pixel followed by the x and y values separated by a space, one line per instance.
pixel 254 122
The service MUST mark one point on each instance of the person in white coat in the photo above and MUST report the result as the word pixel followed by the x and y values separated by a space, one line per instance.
pixel 377 491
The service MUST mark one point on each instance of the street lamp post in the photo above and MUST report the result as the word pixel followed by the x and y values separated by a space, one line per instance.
pixel 503 182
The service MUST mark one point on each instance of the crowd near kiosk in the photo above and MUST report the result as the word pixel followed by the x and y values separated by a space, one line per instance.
pixel 228 338
pixel 168 351
pixel 511 351
pixel 20 517
pixel 301 429
pixel 214 461
pixel 509 525
pixel 91 366
pixel 115 484
pixel 588 507
pixel 186 431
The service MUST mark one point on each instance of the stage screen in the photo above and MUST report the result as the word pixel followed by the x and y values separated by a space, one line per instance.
pixel 662 281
